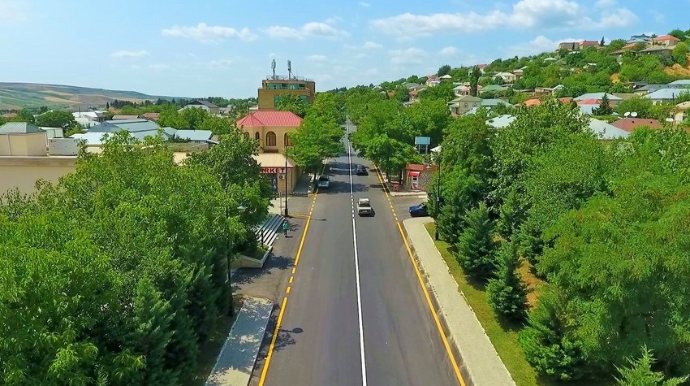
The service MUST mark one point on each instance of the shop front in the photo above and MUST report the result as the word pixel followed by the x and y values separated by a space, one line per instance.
pixel 273 167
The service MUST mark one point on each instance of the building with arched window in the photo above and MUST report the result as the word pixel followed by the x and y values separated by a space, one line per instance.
pixel 270 128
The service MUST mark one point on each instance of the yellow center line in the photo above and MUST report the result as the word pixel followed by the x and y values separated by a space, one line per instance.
pixel 283 307
pixel 456 368
pixel 291 279
pixel 273 342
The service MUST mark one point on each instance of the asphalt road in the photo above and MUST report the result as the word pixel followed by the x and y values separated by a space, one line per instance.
pixel 319 342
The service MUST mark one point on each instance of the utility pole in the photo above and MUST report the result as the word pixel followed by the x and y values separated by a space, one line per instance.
pixel 438 195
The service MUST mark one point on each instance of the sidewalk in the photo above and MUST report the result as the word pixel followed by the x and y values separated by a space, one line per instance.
pixel 236 359
pixel 477 355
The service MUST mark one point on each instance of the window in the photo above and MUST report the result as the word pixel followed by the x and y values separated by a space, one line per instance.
pixel 465 104
pixel 286 140
pixel 257 136
pixel 246 135
pixel 270 139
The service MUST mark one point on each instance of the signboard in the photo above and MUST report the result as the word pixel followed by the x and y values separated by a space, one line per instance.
pixel 272 170
pixel 422 141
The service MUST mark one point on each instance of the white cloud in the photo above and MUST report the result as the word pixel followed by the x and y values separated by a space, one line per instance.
pixel 219 63
pixel 540 44
pixel 308 30
pixel 605 4
pixel 371 46
pixel 209 34
pixel 11 11
pixel 129 54
pixel 525 14
pixel 371 71
pixel 316 58
pixel 409 56
pixel 159 67
pixel 448 51
pixel 364 4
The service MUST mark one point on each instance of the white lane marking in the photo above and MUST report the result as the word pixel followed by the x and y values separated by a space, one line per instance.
pixel 359 291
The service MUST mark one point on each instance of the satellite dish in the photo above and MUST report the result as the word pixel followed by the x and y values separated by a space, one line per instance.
pixel 633 114
pixel 627 114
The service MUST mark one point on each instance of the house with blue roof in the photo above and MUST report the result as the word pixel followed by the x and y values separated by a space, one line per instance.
pixel 666 95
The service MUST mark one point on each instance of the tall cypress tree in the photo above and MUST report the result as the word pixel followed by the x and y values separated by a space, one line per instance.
pixel 507 294
pixel 476 247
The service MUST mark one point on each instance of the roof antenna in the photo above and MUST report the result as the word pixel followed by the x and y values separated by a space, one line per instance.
pixel 273 67
pixel 289 69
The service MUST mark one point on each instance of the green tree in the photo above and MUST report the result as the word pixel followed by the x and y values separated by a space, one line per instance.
pixel 641 106
pixel 317 139
pixel 474 80
pixel 476 247
pixel 604 107
pixel 639 372
pixel 443 70
pixel 292 103
pixel 506 293
pixel 443 91
pixel 680 53
pixel 57 118
pixel 25 115
pixel 678 34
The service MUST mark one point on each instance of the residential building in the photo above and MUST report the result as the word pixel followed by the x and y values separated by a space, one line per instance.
pixel 649 88
pixel 276 86
pixel 22 139
pixel 613 100
pixel 665 95
pixel 630 124
pixel 119 117
pixel 25 158
pixel 639 39
pixel 518 73
pixel 151 116
pixel 433 81
pixel 569 46
pixel 588 43
pixel 463 104
pixel 53 132
pixel 605 131
pixel 500 121
pixel 89 118
pixel 489 103
pixel 666 40
pixel 204 105
pixel 465 89
pixel 9 115
pixel 493 88
pixel 418 177
pixel 662 51
pixel 446 78
pixel 507 77
pixel 270 128
pixel 532 102
pixel 682 83
pixel 680 113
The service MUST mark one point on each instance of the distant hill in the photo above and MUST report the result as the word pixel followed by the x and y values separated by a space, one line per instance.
pixel 14 96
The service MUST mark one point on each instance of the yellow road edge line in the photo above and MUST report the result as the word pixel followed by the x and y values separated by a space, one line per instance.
pixel 293 270
pixel 287 291
pixel 273 342
pixel 301 243
pixel 291 279
pixel 456 368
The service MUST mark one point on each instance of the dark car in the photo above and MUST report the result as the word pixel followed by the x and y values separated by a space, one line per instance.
pixel 420 210
pixel 361 171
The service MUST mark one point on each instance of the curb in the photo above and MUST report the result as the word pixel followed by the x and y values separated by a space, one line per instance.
pixel 464 370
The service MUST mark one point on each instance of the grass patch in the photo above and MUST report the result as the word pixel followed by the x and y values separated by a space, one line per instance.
pixel 505 340
pixel 209 350
pixel 503 335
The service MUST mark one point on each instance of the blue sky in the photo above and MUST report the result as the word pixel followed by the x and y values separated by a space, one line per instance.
pixel 224 47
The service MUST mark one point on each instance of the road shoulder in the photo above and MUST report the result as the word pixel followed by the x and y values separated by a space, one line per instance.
pixel 480 362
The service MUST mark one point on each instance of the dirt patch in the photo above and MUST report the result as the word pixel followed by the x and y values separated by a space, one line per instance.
pixel 615 78
pixel 57 93
pixel 531 281
pixel 58 100
pixel 679 71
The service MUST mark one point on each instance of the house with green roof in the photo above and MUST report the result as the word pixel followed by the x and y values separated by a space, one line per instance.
pixel 463 104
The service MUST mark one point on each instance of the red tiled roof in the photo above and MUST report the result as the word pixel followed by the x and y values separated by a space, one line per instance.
pixel 565 99
pixel 9 115
pixel 532 102
pixel 413 92
pixel 589 43
pixel 416 167
pixel 151 116
pixel 665 38
pixel 262 118
pixel 482 66
pixel 629 124
pixel 629 46
pixel 589 102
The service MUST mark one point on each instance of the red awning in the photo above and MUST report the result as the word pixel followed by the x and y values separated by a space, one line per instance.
pixel 414 174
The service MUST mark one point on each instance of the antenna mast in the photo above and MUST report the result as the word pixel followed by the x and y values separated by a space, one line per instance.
pixel 289 69
pixel 273 67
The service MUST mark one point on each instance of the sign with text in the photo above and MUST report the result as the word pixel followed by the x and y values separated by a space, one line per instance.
pixel 272 170
pixel 422 141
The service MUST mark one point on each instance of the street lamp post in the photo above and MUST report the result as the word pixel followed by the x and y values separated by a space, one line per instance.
pixel 286 181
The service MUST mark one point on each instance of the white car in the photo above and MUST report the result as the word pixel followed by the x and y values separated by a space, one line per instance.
pixel 324 182
pixel 364 207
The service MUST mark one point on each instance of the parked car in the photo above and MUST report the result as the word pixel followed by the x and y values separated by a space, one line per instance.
pixel 324 182
pixel 420 210
pixel 364 207
pixel 361 170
